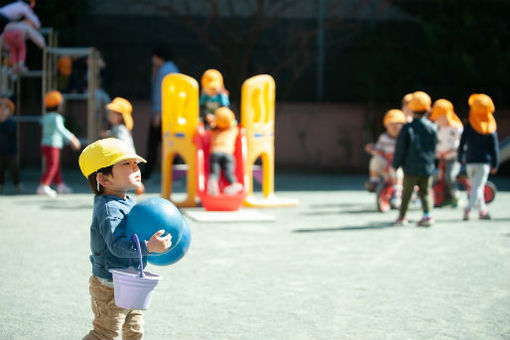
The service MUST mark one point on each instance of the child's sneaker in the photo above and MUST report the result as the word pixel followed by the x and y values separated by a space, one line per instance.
pixel 212 187
pixel 46 190
pixel 233 188
pixel 467 212
pixel 426 221
pixel 484 215
pixel 63 189
pixel 370 186
pixel 401 221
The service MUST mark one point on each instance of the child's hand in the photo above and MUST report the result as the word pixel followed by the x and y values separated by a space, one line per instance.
pixel 158 244
pixel 75 144
pixel 369 147
pixel 493 171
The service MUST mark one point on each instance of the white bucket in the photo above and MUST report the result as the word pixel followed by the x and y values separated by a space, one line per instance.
pixel 133 288
pixel 132 291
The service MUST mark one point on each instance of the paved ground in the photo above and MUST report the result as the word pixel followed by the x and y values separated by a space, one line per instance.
pixel 331 268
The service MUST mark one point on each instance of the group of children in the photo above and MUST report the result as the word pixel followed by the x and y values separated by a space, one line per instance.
pixel 215 114
pixel 419 134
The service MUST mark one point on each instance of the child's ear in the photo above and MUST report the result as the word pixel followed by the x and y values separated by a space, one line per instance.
pixel 102 179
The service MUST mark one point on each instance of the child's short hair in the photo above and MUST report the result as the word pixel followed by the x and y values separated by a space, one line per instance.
pixel 97 188
pixel 163 52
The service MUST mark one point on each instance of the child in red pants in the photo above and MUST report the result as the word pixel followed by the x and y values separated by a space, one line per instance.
pixel 54 134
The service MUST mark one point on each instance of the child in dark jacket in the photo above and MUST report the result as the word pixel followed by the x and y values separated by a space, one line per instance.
pixel 8 144
pixel 415 152
pixel 478 149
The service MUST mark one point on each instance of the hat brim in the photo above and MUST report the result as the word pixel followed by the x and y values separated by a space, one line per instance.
pixel 129 156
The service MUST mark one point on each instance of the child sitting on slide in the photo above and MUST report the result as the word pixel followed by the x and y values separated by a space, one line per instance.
pixel 224 133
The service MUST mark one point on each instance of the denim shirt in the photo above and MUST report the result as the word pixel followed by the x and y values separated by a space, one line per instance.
pixel 110 245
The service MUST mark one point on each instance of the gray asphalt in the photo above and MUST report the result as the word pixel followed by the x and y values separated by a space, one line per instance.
pixel 330 268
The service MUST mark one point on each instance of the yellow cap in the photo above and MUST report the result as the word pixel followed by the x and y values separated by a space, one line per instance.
pixel 224 117
pixel 123 107
pixel 53 98
pixel 212 78
pixel 104 153
pixel 420 101
pixel 394 116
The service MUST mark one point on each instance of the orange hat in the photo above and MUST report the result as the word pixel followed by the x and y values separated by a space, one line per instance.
pixel 406 99
pixel 65 65
pixel 420 101
pixel 224 117
pixel 53 99
pixel 212 79
pixel 10 103
pixel 445 107
pixel 123 107
pixel 394 116
pixel 481 115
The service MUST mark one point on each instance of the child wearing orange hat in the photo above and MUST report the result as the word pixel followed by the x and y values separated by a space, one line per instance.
pixel 121 121
pixel 221 156
pixel 121 124
pixel 214 95
pixel 54 134
pixel 8 144
pixel 393 121
pixel 405 107
pixel 478 149
pixel 415 153
pixel 448 139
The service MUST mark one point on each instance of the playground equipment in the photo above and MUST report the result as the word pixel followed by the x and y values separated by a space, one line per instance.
pixel 183 135
pixel 504 150
pixel 179 121
pixel 257 117
pixel 220 202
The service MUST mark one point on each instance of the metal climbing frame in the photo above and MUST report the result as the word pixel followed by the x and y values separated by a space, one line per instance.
pixel 49 82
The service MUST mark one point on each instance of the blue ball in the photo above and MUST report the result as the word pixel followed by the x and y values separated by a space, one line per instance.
pixel 153 214
pixel 177 253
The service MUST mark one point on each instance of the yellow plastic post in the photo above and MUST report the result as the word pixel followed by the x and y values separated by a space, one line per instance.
pixel 179 120
pixel 257 117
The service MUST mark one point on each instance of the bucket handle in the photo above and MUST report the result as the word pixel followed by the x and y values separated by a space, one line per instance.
pixel 139 251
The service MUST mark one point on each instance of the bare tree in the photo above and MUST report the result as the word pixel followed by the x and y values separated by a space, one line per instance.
pixel 233 31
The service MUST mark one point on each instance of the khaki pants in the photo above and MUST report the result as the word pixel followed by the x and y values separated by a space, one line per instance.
pixel 110 319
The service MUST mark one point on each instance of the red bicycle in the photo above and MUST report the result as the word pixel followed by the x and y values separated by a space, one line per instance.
pixel 385 192
pixel 489 191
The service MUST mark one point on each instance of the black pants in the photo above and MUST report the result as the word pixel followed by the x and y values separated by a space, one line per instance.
pixel 9 162
pixel 225 161
pixel 153 143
